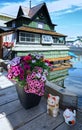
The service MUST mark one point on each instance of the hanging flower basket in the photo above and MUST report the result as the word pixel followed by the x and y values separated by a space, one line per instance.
pixel 8 44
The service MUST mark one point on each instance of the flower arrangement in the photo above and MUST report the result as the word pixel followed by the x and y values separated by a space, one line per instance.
pixel 30 71
pixel 8 44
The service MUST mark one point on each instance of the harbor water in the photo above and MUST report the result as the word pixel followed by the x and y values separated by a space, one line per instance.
pixel 73 81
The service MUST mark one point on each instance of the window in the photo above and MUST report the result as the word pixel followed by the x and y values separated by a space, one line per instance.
pixel 47 39
pixel 40 25
pixel 61 40
pixel 58 40
pixel 55 40
pixel 29 37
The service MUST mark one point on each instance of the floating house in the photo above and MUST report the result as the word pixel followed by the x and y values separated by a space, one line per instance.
pixel 32 31
pixel 3 18
pixel 74 42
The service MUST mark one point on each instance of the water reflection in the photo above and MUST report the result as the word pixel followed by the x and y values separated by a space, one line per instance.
pixel 73 78
pixel 73 81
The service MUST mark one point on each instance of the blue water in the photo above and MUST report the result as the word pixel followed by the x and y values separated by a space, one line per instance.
pixel 73 81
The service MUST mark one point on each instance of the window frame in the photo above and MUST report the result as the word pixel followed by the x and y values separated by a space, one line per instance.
pixel 57 40
pixel 32 37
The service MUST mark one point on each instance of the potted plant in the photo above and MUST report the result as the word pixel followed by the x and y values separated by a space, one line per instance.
pixel 30 72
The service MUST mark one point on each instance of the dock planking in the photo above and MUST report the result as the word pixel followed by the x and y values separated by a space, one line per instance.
pixel 10 107
pixel 64 126
pixel 43 122
pixel 8 95
pixel 36 118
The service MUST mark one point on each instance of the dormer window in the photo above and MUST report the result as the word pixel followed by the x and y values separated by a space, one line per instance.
pixel 40 25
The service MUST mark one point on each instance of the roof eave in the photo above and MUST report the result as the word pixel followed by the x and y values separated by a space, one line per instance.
pixel 40 31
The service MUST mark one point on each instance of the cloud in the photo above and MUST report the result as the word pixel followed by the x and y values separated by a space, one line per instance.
pixel 66 11
pixel 57 7
pixel 61 7
pixel 12 7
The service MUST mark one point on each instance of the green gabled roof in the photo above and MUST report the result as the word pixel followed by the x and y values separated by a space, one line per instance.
pixel 31 13
pixel 34 10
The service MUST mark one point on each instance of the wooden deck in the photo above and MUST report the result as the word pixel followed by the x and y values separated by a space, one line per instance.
pixel 59 58
pixel 61 66
pixel 15 117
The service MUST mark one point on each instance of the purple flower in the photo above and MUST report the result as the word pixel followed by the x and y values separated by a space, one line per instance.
pixel 43 78
pixel 15 61
pixel 38 75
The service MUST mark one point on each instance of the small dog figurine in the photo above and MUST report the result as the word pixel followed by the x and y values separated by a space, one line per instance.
pixel 69 116
pixel 53 105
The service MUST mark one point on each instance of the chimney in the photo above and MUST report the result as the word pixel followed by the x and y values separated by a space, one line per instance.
pixel 30 4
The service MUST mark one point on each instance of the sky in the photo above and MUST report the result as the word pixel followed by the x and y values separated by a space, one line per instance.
pixel 67 14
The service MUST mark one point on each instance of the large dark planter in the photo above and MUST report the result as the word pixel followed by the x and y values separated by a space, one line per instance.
pixel 28 100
